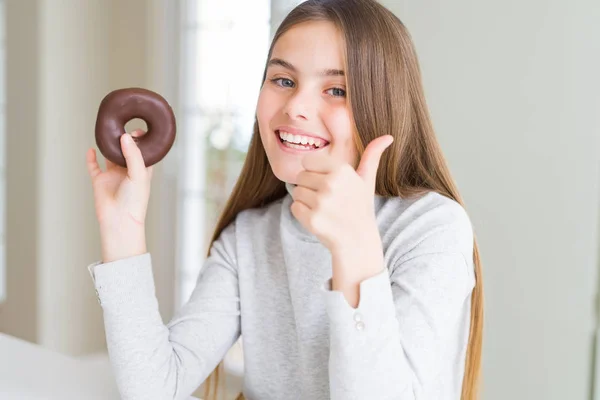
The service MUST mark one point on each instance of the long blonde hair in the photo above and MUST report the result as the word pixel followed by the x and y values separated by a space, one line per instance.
pixel 386 97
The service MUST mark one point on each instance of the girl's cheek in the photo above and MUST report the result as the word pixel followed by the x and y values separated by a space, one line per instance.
pixel 268 99
pixel 339 122
pixel 265 106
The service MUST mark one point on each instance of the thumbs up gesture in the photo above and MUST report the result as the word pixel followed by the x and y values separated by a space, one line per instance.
pixel 335 202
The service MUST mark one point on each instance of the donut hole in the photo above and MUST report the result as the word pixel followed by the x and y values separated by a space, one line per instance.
pixel 134 124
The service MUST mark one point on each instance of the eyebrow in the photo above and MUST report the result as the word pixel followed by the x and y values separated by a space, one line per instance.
pixel 287 65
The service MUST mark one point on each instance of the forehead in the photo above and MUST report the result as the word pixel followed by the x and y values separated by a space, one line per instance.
pixel 312 45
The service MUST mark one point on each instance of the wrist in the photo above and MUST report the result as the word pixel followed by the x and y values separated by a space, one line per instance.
pixel 355 268
pixel 122 251
pixel 123 242
pixel 367 241
pixel 359 259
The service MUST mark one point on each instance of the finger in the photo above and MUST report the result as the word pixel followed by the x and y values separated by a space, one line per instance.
pixel 107 163
pixel 320 163
pixel 110 165
pixel 369 162
pixel 150 171
pixel 136 168
pixel 137 133
pixel 310 180
pixel 92 163
pixel 302 213
pixel 306 196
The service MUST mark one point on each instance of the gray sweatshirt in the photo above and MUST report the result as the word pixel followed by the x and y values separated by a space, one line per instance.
pixel 268 279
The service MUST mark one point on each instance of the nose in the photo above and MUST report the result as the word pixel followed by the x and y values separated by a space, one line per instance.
pixel 300 106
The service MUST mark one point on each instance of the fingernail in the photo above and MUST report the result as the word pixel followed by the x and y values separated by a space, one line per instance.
pixel 128 139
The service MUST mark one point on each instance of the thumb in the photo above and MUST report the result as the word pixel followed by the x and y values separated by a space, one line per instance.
pixel 136 167
pixel 369 162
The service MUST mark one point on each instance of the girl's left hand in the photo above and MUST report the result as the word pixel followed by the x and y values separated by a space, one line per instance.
pixel 335 203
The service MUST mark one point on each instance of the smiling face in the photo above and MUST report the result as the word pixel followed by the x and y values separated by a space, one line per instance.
pixel 302 106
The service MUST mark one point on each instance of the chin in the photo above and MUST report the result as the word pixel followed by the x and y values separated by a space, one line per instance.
pixel 286 174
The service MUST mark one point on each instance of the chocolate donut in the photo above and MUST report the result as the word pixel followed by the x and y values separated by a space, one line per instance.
pixel 121 106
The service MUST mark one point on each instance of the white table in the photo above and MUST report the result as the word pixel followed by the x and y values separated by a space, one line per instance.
pixel 31 372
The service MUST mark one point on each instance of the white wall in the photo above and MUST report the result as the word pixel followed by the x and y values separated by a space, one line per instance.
pixel 63 57
pixel 18 314
pixel 515 96
pixel 73 74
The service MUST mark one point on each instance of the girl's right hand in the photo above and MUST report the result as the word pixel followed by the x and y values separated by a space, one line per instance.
pixel 121 199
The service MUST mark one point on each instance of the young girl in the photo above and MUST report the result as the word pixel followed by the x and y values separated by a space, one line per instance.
pixel 343 257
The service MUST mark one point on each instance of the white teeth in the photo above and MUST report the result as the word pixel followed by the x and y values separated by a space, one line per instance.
pixel 296 146
pixel 298 139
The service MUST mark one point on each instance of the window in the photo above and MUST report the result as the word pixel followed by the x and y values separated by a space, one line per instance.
pixel 224 49
pixel 224 45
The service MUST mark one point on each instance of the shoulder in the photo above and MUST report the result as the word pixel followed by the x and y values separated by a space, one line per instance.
pixel 255 217
pixel 427 223
pixel 246 227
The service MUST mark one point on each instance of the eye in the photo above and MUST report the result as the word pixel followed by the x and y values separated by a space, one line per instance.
pixel 283 82
pixel 337 92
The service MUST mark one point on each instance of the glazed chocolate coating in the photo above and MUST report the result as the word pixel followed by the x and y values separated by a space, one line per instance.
pixel 121 106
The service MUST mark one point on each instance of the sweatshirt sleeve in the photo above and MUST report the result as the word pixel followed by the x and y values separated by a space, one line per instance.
pixel 152 360
pixel 411 323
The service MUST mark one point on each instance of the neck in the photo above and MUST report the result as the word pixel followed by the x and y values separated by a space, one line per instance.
pixel 289 187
